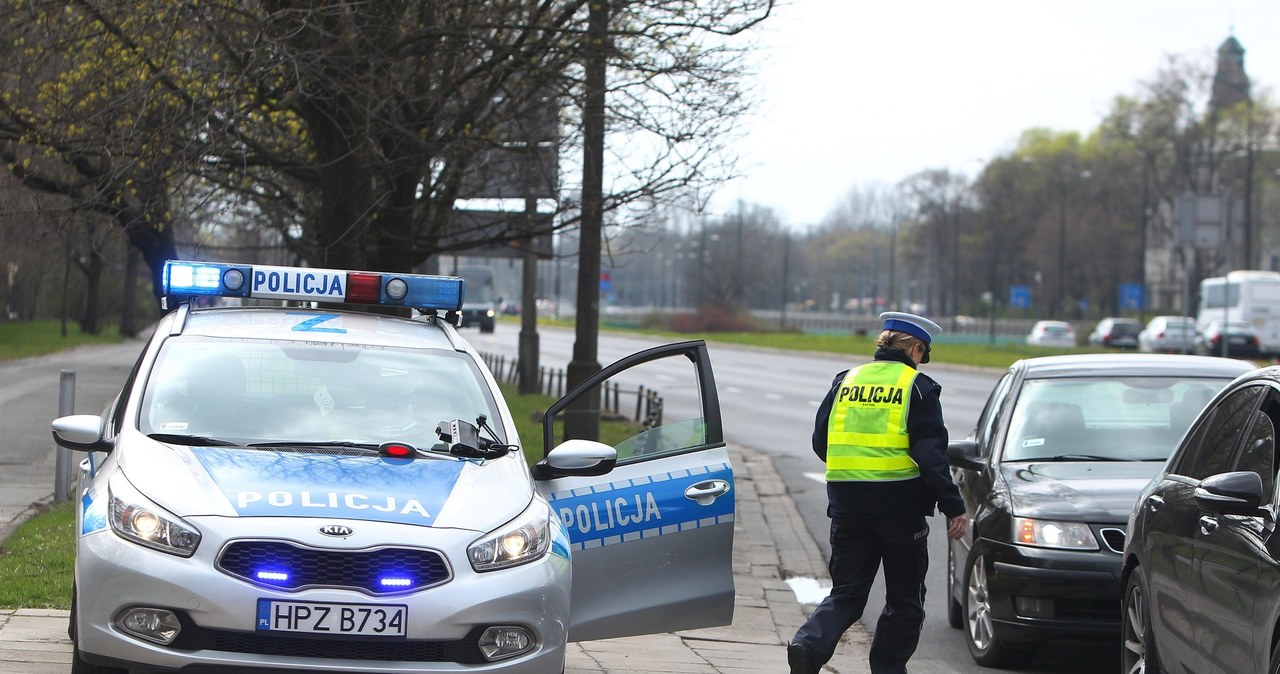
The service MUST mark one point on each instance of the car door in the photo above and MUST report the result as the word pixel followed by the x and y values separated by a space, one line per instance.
pixel 651 542
pixel 1230 554
pixel 1172 522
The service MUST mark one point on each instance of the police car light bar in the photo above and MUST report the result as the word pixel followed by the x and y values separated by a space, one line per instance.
pixel 184 279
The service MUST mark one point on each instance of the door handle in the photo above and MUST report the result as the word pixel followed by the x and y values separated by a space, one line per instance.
pixel 1208 525
pixel 1154 502
pixel 706 492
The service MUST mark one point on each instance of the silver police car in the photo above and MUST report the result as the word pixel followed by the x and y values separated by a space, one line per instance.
pixel 289 488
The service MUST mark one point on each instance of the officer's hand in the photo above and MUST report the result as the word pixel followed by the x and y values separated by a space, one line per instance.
pixel 956 527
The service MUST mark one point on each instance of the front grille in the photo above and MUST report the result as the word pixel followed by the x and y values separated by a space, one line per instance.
pixel 305 567
pixel 462 651
pixel 1113 539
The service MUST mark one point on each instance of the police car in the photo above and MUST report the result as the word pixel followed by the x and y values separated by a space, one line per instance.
pixel 289 488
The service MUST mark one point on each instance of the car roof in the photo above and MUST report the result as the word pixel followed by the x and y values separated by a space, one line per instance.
pixel 295 324
pixel 1133 364
pixel 1270 373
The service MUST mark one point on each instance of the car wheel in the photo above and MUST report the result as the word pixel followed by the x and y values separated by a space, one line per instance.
pixel 1274 667
pixel 1137 647
pixel 955 612
pixel 984 646
pixel 78 665
pixel 487 327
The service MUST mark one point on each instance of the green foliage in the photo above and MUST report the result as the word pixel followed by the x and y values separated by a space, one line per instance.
pixel 23 339
pixel 36 561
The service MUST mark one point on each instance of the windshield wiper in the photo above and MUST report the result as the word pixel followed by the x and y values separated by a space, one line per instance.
pixel 191 440
pixel 1072 457
pixel 318 443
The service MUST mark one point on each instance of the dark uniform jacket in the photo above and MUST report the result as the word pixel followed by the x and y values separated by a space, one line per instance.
pixel 917 496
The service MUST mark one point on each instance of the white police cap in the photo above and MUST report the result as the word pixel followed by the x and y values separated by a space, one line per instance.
pixel 916 326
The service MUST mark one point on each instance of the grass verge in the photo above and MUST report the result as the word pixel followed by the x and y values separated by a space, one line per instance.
pixel 36 561
pixel 24 339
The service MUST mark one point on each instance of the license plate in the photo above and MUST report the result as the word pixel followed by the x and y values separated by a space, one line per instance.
pixel 368 620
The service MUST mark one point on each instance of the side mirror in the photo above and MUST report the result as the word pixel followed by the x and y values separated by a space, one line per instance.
pixel 964 454
pixel 1235 493
pixel 576 458
pixel 80 432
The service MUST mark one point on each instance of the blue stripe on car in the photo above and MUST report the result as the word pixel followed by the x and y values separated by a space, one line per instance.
pixel 292 484
pixel 645 507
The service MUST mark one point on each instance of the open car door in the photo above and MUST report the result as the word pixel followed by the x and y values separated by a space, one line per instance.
pixel 651 541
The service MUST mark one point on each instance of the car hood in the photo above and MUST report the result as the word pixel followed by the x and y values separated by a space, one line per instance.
pixel 1093 491
pixel 237 482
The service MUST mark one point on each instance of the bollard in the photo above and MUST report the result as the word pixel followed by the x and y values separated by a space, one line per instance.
pixel 62 463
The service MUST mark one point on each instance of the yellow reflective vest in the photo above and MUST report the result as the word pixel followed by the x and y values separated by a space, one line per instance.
pixel 867 431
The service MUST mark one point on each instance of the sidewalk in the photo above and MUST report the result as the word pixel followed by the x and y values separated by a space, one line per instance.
pixel 770 545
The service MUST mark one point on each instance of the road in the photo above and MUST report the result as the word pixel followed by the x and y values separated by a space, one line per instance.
pixel 768 399
pixel 29 396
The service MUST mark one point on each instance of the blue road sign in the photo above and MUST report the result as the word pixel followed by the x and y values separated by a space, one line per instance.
pixel 1133 296
pixel 1020 297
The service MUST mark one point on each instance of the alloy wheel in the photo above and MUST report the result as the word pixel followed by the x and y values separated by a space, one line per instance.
pixel 978 607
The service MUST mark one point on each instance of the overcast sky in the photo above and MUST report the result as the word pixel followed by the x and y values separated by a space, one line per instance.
pixel 859 92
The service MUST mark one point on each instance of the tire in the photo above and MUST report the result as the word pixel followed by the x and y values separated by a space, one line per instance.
pixel 1137 644
pixel 955 612
pixel 78 664
pixel 985 647
pixel 1274 666
pixel 487 326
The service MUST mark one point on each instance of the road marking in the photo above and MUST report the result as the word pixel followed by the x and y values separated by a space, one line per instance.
pixel 817 477
pixel 809 590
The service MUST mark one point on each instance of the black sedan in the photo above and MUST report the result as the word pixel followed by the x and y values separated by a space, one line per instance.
pixel 1202 564
pixel 1241 340
pixel 1049 476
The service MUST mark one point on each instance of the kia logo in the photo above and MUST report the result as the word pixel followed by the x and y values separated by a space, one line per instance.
pixel 339 530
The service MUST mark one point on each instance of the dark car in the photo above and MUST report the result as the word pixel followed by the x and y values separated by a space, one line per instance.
pixel 1242 340
pixel 1061 450
pixel 1116 333
pixel 1202 563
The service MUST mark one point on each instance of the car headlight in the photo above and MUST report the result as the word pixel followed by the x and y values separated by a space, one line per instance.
pixel 520 541
pixel 1047 534
pixel 136 518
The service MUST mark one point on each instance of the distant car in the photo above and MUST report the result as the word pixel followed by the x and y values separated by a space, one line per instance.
pixel 289 489
pixel 1168 334
pixel 1242 340
pixel 1201 565
pixel 1059 334
pixel 1049 475
pixel 1116 333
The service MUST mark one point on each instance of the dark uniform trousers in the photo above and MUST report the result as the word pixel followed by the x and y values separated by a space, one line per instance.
pixel 858 546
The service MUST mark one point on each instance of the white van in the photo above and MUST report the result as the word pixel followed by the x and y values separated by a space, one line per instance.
pixel 1244 296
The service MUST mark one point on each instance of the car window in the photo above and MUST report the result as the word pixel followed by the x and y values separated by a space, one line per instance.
pixel 1211 448
pixel 650 409
pixel 1258 452
pixel 1104 417
pixel 264 390
pixel 990 419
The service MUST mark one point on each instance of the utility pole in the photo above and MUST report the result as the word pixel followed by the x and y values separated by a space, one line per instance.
pixel 582 419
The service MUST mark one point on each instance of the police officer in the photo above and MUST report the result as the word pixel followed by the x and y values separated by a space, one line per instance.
pixel 880 431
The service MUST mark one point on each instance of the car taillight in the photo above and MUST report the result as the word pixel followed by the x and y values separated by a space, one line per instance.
pixel 1216 339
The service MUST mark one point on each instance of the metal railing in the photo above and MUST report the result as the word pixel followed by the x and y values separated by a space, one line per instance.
pixel 551 382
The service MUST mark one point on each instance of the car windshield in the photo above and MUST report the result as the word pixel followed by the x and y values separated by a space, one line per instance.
pixel 298 392
pixel 1125 329
pixel 1104 418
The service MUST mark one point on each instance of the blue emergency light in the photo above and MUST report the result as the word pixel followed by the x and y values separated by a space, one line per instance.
pixel 185 279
